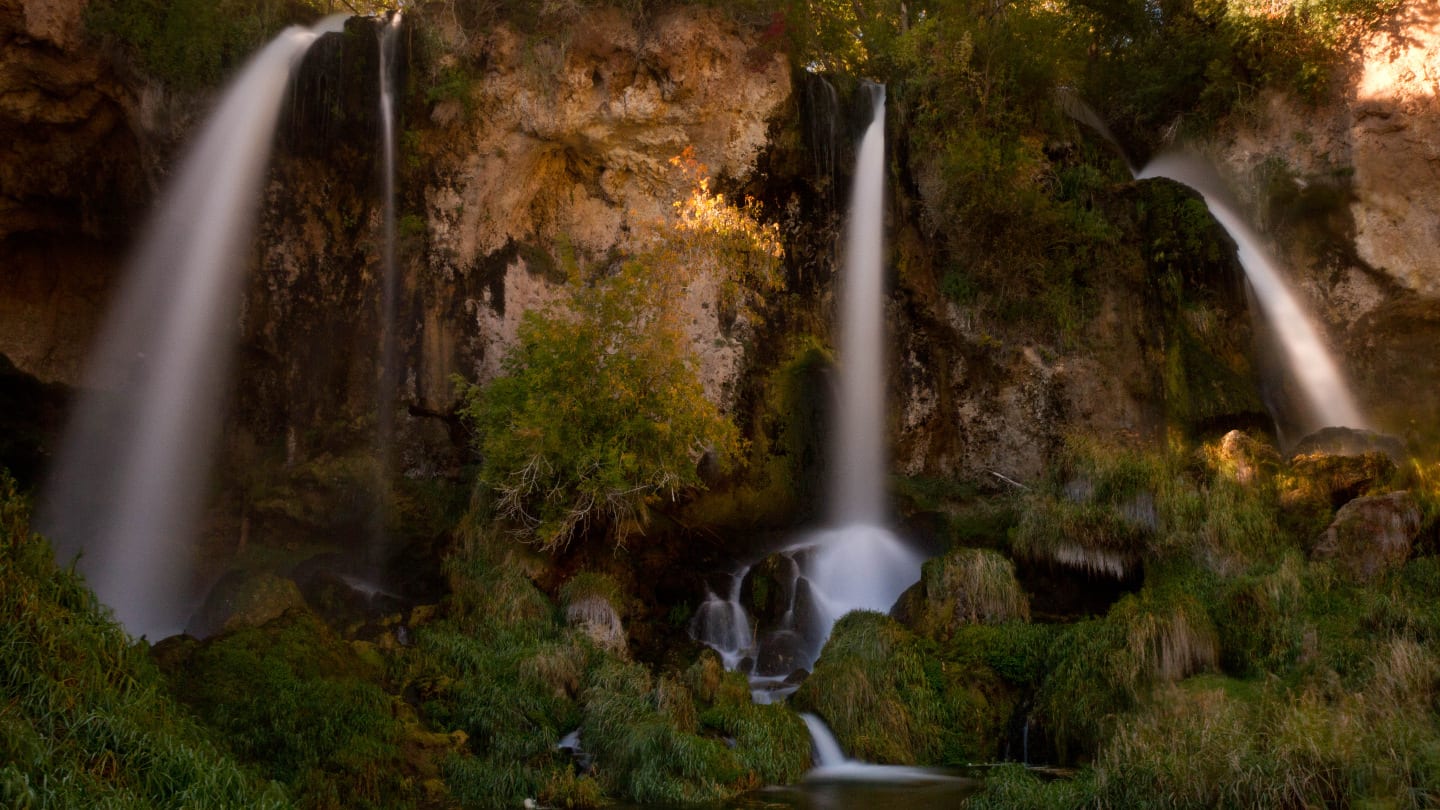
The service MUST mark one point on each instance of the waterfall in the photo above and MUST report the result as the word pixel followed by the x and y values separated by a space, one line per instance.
pixel 860 564
pixel 1327 398
pixel 831 765
pixel 723 625
pixel 857 563
pixel 130 477
pixel 857 493
pixel 388 384
pixel 827 749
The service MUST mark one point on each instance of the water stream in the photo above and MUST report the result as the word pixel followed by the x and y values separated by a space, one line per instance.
pixel 128 484
pixel 389 299
pixel 1327 398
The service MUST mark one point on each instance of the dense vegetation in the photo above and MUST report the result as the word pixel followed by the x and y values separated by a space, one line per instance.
pixel 85 716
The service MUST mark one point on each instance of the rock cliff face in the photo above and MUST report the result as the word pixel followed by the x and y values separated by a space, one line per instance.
pixel 1346 190
pixel 522 153
pixel 542 152
pixel 69 167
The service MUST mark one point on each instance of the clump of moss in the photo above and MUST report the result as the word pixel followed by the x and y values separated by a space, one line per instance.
pixel 966 586
pixel 85 718
pixel 889 698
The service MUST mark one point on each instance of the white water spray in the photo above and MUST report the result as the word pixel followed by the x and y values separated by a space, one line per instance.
pixel 1327 397
pixel 132 469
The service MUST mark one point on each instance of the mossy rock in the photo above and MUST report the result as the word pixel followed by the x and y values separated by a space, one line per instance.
pixel 1371 536
pixel 889 699
pixel 966 586
pixel 1242 457
pixel 1316 484
pixel 241 599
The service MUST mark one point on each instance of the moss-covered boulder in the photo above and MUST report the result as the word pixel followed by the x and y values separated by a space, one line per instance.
pixel 242 599
pixel 1242 457
pixel 888 698
pixel 966 586
pixel 1371 536
pixel 1315 484
pixel 303 705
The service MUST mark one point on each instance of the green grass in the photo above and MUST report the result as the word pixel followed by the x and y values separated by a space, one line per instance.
pixel 85 717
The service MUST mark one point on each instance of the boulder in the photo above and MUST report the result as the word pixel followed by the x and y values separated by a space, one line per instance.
pixel 1371 535
pixel 966 586
pixel 243 599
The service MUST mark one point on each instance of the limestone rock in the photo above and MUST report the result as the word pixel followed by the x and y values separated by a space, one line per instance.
pixel 1371 535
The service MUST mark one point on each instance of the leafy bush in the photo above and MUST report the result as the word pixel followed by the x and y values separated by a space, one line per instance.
pixel 600 413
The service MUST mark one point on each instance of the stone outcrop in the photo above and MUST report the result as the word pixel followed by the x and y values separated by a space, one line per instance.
pixel 70 173
pixel 1371 536
pixel 540 157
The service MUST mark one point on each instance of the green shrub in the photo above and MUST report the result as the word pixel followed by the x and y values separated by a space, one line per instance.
pixel 600 412
pixel 192 44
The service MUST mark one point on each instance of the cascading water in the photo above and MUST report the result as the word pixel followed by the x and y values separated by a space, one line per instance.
pixel 1327 398
pixel 127 486
pixel 858 563
pixel 389 297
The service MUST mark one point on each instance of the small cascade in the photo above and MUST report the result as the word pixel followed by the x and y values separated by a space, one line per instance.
pixel 831 765
pixel 827 748
pixel 1327 398
pixel 389 298
pixel 130 477
pixel 724 626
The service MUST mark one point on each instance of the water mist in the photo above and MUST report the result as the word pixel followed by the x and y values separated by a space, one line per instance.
pixel 129 481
